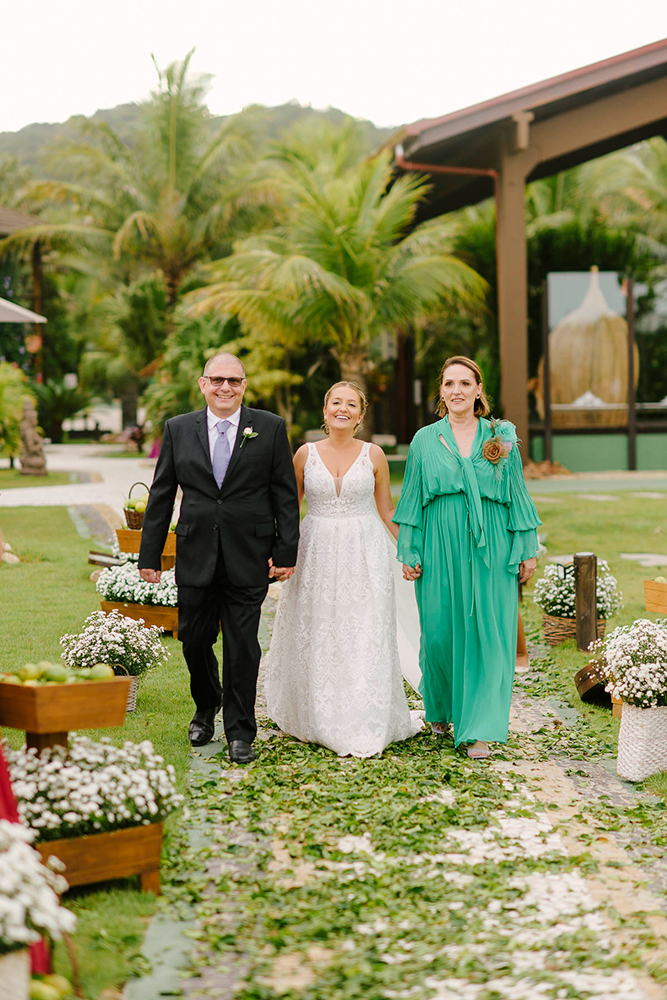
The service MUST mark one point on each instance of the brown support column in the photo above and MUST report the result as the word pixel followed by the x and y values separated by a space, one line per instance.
pixel 513 296
pixel 37 296
pixel 585 598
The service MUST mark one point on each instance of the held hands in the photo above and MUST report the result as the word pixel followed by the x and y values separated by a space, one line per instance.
pixel 411 574
pixel 280 573
pixel 526 569
pixel 150 575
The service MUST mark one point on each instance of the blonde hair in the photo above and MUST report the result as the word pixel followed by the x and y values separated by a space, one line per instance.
pixel 360 393
pixel 482 407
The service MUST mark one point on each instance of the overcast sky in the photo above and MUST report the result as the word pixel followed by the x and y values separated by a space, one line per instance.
pixel 391 61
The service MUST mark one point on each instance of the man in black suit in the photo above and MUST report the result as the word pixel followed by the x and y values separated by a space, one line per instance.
pixel 238 527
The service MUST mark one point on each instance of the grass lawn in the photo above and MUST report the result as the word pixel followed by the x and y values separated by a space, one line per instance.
pixel 10 478
pixel 48 594
pixel 607 528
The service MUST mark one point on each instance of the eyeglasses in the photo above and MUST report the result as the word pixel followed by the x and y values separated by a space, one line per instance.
pixel 217 380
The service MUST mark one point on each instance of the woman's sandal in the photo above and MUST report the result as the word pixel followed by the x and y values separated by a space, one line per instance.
pixel 478 750
pixel 438 728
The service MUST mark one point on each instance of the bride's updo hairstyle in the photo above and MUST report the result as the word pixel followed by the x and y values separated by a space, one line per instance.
pixel 482 408
pixel 362 399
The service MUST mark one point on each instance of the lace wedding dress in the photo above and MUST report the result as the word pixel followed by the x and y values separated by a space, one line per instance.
pixel 333 675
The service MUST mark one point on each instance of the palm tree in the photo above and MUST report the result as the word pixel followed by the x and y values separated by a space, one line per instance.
pixel 632 188
pixel 165 204
pixel 344 266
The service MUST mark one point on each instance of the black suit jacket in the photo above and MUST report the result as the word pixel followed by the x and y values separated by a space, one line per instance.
pixel 253 516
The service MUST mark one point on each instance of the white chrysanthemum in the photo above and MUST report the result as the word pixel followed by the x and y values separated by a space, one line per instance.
pixel 29 904
pixel 91 786
pixel 114 638
pixel 554 592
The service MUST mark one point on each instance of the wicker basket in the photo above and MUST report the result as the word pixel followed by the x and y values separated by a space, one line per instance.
pixel 132 694
pixel 15 975
pixel 642 742
pixel 557 630
pixel 135 519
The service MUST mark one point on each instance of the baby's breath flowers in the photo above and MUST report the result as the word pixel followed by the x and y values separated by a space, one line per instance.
pixel 91 787
pixel 29 905
pixel 124 583
pixel 633 661
pixel 116 639
pixel 554 591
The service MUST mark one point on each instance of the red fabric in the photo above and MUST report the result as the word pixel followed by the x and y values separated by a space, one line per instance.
pixel 40 959
pixel 8 808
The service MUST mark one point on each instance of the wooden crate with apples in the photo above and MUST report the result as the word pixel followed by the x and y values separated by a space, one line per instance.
pixel 655 595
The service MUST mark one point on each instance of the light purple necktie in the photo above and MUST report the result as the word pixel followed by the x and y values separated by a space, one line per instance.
pixel 221 452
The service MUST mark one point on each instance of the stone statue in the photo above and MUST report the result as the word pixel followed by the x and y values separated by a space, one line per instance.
pixel 33 462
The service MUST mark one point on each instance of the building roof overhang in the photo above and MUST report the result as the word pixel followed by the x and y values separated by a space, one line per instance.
pixel 11 220
pixel 478 136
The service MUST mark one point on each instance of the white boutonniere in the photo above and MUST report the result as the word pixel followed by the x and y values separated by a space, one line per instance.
pixel 248 432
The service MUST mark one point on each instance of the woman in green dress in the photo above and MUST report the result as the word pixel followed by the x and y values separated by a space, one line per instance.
pixel 467 531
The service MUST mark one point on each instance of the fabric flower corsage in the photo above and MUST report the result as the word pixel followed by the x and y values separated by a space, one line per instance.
pixel 248 432
pixel 497 448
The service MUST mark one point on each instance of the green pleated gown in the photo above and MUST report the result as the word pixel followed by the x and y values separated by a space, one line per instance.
pixel 469 524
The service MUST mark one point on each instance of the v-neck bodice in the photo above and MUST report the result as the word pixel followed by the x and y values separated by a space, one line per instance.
pixel 343 496
pixel 448 438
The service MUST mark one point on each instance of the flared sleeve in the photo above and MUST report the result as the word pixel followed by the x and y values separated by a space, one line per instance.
pixel 523 517
pixel 409 512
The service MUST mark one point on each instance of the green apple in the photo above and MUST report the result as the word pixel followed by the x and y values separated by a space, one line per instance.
pixel 10 679
pixel 130 503
pixel 101 672
pixel 660 579
pixel 39 990
pixel 56 673
pixel 140 506
pixel 30 672
pixel 64 987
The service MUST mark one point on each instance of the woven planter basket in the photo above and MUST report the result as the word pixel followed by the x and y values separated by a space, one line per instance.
pixel 15 975
pixel 132 694
pixel 134 519
pixel 557 630
pixel 642 742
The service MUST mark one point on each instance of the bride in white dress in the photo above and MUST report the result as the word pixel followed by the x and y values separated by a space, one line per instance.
pixel 333 675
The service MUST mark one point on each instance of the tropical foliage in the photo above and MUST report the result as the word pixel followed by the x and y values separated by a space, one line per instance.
pixel 167 234
pixel 13 389
pixel 343 266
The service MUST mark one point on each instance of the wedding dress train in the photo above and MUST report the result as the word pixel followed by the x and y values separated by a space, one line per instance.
pixel 333 674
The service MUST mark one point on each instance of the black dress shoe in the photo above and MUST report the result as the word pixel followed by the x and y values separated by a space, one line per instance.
pixel 241 752
pixel 202 727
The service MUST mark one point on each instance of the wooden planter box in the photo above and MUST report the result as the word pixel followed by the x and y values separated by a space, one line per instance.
pixel 655 596
pixel 129 540
pixel 103 856
pixel 50 710
pixel 152 614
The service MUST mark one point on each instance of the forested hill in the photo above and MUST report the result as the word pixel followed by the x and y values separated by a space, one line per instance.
pixel 29 144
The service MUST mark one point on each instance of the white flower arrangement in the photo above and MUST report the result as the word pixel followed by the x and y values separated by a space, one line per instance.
pixel 554 591
pixel 124 583
pixel 633 662
pixel 116 639
pixel 29 890
pixel 91 787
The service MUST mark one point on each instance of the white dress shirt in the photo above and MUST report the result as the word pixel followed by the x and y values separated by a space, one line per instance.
pixel 231 431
